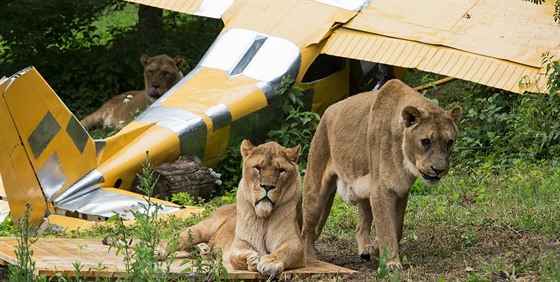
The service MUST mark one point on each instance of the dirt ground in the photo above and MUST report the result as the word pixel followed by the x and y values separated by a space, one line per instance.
pixel 497 256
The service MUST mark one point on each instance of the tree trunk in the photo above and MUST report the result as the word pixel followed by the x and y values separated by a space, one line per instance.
pixel 150 24
pixel 183 175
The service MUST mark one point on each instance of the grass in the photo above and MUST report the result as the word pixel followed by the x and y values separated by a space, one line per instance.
pixel 474 226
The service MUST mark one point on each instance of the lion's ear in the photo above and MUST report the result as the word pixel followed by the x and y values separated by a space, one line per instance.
pixel 293 153
pixel 144 59
pixel 411 115
pixel 178 61
pixel 456 113
pixel 246 148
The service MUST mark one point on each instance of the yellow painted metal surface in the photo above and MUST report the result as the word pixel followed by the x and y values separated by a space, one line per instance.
pixel 210 87
pixel 31 93
pixel 302 22
pixel 437 59
pixel 45 151
pixel 72 223
pixel 122 166
pixel 329 90
pixel 495 43
pixel 27 144
pixel 516 30
pixel 124 137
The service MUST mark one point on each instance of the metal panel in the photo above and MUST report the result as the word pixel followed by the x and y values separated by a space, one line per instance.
pixel 438 59
pixel 51 176
pixel 43 134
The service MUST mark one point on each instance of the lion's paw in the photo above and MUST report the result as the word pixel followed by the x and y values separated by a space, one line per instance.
pixel 368 252
pixel 161 254
pixel 393 265
pixel 270 268
pixel 203 250
pixel 253 259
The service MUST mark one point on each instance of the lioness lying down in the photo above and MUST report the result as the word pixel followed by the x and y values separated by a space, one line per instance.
pixel 370 148
pixel 261 232
pixel 160 74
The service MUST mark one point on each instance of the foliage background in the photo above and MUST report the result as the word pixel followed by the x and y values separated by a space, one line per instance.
pixel 86 51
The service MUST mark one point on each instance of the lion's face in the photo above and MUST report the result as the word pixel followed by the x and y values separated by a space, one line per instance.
pixel 269 170
pixel 428 139
pixel 161 73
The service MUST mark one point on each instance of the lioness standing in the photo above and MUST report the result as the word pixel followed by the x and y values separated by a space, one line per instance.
pixel 370 148
pixel 160 74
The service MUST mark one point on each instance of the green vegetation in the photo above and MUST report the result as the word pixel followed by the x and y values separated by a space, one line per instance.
pixel 26 233
pixel 141 259
pixel 89 51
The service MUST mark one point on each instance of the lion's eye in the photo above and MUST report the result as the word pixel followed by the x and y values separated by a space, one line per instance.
pixel 150 73
pixel 281 170
pixel 257 168
pixel 426 143
pixel 450 143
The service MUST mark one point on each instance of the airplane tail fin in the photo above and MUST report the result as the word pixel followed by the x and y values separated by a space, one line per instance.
pixel 43 147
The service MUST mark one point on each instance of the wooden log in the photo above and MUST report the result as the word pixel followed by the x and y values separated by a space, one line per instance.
pixel 182 175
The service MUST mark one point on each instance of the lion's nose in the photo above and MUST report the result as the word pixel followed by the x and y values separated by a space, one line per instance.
pixel 437 171
pixel 156 86
pixel 268 187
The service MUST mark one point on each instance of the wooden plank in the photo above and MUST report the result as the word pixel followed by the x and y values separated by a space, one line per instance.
pixel 57 255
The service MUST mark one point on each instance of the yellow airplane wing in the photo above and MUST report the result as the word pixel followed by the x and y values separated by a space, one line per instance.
pixel 495 43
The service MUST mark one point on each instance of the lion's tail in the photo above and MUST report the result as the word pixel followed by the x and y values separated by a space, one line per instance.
pixel 319 185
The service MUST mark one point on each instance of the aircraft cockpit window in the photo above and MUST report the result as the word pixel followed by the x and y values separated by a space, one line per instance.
pixel 323 66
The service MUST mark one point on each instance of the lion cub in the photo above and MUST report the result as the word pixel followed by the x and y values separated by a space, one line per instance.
pixel 261 232
pixel 371 148
pixel 160 74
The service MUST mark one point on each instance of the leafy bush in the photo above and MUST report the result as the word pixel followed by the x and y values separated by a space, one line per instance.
pixel 299 126
pixel 85 54
pixel 501 128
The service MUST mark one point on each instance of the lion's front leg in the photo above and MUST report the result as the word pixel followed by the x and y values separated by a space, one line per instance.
pixel 385 216
pixel 242 256
pixel 245 259
pixel 289 255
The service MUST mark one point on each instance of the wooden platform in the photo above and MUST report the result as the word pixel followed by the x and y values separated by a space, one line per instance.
pixel 54 255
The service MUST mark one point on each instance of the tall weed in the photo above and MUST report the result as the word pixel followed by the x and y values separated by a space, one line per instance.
pixel 141 259
pixel 26 232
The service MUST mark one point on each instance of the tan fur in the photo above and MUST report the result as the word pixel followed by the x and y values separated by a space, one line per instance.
pixel 160 74
pixel 369 148
pixel 261 232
